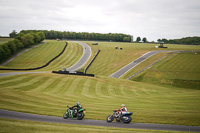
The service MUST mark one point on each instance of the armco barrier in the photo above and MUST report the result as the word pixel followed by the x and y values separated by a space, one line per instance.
pixel 40 66
pixel 86 68
pixel 73 73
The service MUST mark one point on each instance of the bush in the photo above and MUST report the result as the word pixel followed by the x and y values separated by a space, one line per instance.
pixel 12 46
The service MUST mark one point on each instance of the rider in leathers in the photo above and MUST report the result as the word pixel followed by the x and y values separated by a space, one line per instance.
pixel 123 109
pixel 76 107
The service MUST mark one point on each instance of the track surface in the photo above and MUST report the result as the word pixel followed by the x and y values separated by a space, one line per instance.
pixel 131 65
pixel 86 55
pixel 51 119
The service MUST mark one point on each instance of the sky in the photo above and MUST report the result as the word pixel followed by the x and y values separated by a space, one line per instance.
pixel 153 19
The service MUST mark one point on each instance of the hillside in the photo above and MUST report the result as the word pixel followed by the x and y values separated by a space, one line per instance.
pixel 49 94
pixel 150 102
pixel 110 59
pixel 44 53
pixel 179 70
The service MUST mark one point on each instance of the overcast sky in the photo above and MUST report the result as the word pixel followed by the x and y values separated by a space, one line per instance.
pixel 152 19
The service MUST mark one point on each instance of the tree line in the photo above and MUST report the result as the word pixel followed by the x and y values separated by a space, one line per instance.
pixel 187 40
pixel 21 41
pixel 117 37
pixel 144 40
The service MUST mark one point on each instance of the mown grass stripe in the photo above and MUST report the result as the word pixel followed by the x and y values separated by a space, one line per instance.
pixel 62 86
pixel 33 83
pixel 17 98
pixel 52 85
pixel 13 85
pixel 86 89
pixel 99 92
pixel 92 88
pixel 43 85
pixel 111 91
pixel 13 79
pixel 74 86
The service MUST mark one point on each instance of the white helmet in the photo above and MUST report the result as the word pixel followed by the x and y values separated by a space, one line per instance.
pixel 123 105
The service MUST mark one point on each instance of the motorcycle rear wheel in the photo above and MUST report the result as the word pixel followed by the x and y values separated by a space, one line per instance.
pixel 80 116
pixel 127 120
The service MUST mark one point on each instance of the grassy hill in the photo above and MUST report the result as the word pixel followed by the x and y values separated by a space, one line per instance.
pixel 179 70
pixel 49 94
pixel 110 59
pixel 153 99
pixel 41 55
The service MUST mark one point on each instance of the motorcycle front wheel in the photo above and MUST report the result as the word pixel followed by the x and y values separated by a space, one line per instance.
pixel 110 118
pixel 65 116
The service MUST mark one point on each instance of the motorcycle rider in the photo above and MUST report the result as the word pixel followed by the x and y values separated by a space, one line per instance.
pixel 75 110
pixel 123 109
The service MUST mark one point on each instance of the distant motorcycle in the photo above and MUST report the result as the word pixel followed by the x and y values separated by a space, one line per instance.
pixel 74 113
pixel 125 118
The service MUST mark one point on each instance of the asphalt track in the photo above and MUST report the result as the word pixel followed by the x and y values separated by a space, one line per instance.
pixel 52 119
pixel 85 57
pixel 134 63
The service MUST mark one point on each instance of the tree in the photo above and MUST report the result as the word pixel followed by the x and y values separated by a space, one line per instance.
pixel 42 35
pixel 13 34
pixel 165 40
pixel 18 44
pixel 12 46
pixel 138 39
pixel 158 40
pixel 2 52
pixel 19 36
pixel 37 38
pixel 144 39
pixel 126 39
pixel 28 39
pixel 6 50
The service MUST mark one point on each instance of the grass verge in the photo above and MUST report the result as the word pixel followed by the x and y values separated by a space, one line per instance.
pixel 20 126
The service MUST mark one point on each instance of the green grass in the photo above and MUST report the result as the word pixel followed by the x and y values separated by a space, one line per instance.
pixel 3 40
pixel 110 59
pixel 20 126
pixel 178 70
pixel 42 54
pixel 49 94
pixel 143 65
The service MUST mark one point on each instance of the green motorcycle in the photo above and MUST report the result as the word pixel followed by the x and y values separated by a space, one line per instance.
pixel 74 113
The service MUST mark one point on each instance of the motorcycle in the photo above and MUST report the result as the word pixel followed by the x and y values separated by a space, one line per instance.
pixel 125 117
pixel 74 113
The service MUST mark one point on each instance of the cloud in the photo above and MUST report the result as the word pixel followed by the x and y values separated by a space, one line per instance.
pixel 152 19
